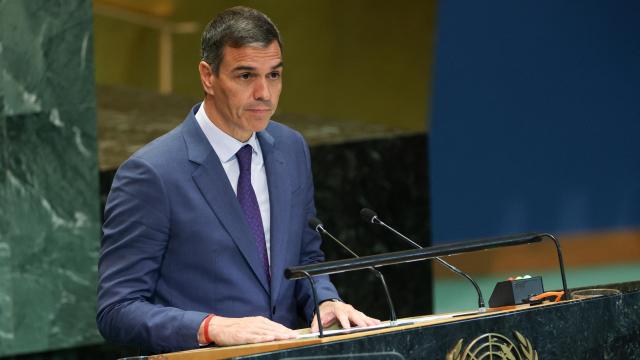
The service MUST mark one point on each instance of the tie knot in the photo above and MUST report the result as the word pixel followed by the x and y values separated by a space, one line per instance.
pixel 244 157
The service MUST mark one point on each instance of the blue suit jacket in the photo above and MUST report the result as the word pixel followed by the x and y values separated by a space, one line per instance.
pixel 176 245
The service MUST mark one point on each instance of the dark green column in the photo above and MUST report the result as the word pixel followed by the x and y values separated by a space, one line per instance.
pixel 49 205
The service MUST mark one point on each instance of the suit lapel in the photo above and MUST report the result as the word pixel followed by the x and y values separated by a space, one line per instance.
pixel 213 183
pixel 280 205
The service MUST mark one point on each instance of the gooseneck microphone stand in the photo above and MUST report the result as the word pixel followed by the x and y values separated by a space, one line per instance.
pixel 316 225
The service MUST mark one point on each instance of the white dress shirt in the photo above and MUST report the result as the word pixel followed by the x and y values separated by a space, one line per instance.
pixel 226 148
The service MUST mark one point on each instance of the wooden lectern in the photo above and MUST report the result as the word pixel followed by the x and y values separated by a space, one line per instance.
pixel 598 327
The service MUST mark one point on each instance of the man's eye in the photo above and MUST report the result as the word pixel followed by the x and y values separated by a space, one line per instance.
pixel 274 75
pixel 245 76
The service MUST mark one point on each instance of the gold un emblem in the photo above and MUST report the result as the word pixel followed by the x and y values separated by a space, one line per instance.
pixel 494 346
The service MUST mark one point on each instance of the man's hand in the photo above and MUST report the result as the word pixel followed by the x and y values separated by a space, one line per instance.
pixel 345 314
pixel 247 330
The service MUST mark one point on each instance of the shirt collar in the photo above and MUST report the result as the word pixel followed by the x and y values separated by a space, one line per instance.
pixel 224 144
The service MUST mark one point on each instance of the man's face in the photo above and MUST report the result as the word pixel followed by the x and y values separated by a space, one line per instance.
pixel 246 90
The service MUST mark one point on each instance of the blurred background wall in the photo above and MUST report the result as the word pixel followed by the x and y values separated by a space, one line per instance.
pixel 535 124
pixel 343 59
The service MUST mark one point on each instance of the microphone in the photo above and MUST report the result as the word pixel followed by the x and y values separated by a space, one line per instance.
pixel 370 216
pixel 316 225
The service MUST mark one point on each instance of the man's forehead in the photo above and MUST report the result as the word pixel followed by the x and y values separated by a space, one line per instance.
pixel 253 55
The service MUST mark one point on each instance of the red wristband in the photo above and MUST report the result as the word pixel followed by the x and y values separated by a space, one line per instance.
pixel 205 334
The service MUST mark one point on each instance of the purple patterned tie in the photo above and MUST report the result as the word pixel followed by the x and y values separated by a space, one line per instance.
pixel 249 205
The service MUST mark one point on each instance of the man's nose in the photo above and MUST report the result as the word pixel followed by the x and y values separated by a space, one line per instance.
pixel 261 90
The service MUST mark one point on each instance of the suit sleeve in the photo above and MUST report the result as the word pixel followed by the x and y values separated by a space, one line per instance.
pixel 135 236
pixel 310 249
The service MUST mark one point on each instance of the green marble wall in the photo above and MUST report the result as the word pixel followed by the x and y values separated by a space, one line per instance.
pixel 49 205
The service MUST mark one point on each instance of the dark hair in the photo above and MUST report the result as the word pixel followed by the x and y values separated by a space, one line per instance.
pixel 236 27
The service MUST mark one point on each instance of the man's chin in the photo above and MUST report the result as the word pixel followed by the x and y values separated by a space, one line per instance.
pixel 259 124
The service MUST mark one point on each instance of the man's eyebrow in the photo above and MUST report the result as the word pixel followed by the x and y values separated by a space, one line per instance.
pixel 244 68
pixel 251 68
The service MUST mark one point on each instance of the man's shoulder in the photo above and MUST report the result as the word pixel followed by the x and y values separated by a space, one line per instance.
pixel 282 133
pixel 169 145
pixel 166 154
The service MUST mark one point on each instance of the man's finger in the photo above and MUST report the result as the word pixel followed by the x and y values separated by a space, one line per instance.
pixel 372 321
pixel 358 318
pixel 328 319
pixel 286 336
pixel 261 338
pixel 275 328
pixel 343 318
pixel 279 327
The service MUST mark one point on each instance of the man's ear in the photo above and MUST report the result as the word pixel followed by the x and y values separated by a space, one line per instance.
pixel 206 77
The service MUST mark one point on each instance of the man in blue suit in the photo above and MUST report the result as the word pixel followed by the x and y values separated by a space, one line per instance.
pixel 201 223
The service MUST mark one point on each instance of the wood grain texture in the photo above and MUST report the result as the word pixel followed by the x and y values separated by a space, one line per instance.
pixel 588 249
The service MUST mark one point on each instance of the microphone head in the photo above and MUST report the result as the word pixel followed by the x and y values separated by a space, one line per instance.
pixel 368 215
pixel 315 223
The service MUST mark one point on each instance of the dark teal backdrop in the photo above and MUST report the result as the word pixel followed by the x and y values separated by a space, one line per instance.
pixel 536 117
